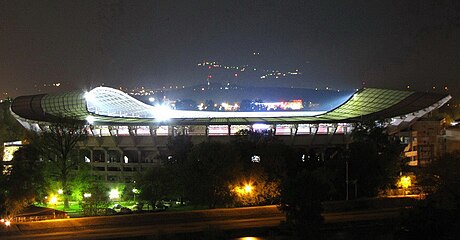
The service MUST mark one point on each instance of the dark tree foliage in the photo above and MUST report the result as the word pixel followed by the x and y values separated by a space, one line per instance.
pixel 186 104
pixel 59 143
pixel 301 194
pixel 208 172
pixel 446 172
pixel 246 105
pixel 10 129
pixel 3 194
pixel 179 148
pixel 374 159
pixel 154 185
pixel 25 184
pixel 437 216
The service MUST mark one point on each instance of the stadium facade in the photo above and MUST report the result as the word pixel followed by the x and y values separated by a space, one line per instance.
pixel 127 135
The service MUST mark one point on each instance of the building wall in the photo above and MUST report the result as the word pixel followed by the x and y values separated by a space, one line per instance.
pixel 451 140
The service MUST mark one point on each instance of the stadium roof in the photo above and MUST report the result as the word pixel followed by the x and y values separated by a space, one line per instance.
pixel 108 106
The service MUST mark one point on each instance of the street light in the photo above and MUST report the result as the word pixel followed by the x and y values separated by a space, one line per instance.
pixel 405 182
pixel 248 188
pixel 113 194
pixel 135 191
pixel 53 200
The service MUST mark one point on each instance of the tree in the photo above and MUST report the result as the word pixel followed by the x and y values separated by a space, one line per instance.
pixel 59 142
pixel 301 194
pixel 374 158
pixel 98 201
pixel 81 181
pixel 186 104
pixel 179 148
pixel 153 185
pixel 208 172
pixel 253 187
pixel 246 105
pixel 437 216
pixel 10 129
pixel 446 172
pixel 22 186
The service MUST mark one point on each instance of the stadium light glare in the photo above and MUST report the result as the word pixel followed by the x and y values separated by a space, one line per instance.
pixel 90 119
pixel 163 112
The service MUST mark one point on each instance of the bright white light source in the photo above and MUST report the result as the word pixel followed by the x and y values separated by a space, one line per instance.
pixel 260 126
pixel 87 159
pixel 114 194
pixel 162 112
pixel 60 191
pixel 7 223
pixel 151 99
pixel 90 119
pixel 126 159
pixel 255 159
pixel 86 195
pixel 53 200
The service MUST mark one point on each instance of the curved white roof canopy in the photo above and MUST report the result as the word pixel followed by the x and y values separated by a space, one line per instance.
pixel 111 102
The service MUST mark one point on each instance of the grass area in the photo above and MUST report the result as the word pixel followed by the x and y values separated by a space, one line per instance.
pixel 75 209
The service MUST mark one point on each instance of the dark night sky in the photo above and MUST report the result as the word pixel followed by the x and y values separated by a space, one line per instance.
pixel 339 44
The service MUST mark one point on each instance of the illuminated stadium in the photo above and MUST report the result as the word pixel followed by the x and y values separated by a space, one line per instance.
pixel 127 135
pixel 103 106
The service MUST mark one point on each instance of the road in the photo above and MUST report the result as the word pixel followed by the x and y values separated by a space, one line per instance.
pixel 168 223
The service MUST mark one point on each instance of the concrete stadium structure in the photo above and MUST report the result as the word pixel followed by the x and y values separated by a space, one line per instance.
pixel 127 135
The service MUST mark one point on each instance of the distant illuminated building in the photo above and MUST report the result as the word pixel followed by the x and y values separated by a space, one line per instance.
pixel 9 148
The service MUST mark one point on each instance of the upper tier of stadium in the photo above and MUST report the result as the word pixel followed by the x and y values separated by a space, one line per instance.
pixel 109 106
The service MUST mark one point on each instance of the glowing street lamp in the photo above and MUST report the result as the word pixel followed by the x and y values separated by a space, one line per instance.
pixel 53 200
pixel 405 182
pixel 244 190
pixel 135 191
pixel 7 223
pixel 248 188
pixel 114 194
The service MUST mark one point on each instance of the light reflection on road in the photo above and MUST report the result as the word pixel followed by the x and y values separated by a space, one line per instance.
pixel 249 238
